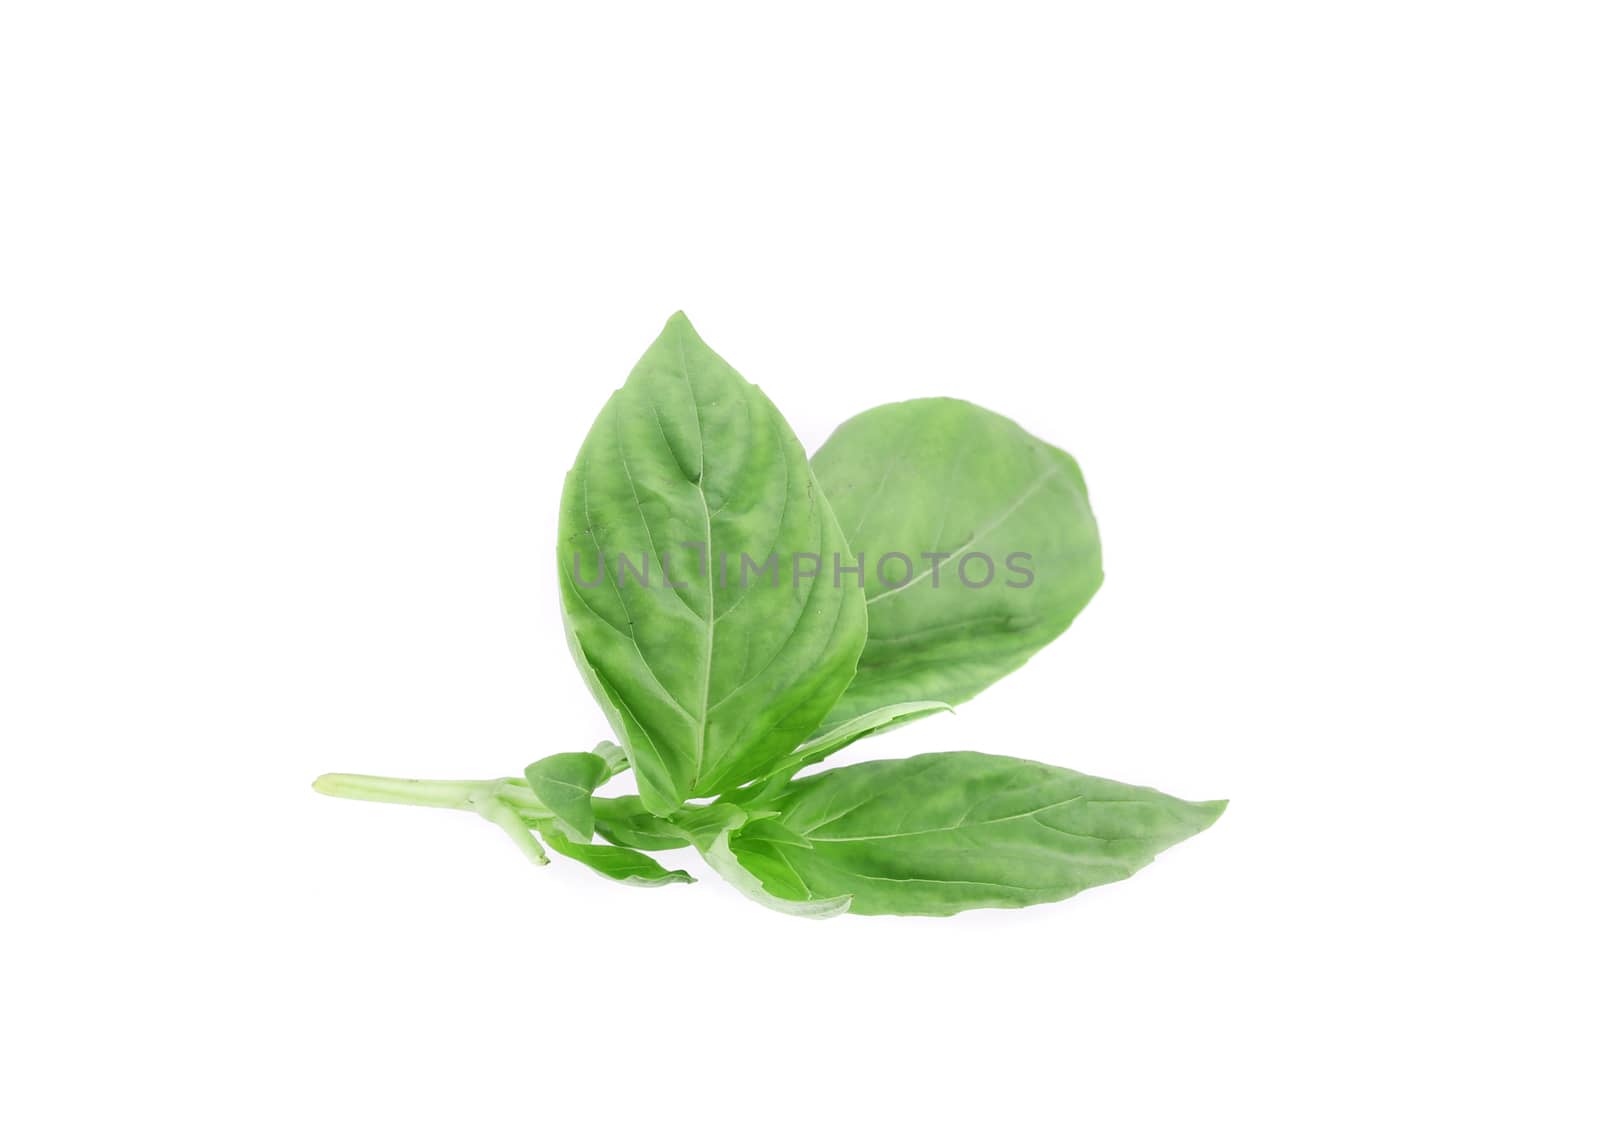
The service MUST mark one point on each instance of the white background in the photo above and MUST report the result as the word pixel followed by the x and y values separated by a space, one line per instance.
pixel 305 308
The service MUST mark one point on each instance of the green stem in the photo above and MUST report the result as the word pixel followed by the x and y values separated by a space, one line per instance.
pixel 503 801
pixel 401 791
pixel 508 820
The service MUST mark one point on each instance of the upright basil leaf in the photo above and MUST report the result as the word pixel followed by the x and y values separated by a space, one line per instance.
pixel 942 833
pixel 565 784
pixel 715 648
pixel 622 864
pixel 934 477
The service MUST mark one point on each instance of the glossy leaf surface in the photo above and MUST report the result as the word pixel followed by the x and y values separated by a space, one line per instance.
pixel 942 833
pixel 941 476
pixel 710 681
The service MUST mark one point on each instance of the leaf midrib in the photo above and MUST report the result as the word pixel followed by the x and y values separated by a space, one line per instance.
pixel 962 825
pixel 1028 493
pixel 711 588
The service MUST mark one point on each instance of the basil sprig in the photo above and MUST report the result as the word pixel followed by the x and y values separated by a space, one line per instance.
pixel 741 613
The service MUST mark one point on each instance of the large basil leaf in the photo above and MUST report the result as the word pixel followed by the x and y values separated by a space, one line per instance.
pixel 942 833
pixel 941 476
pixel 710 681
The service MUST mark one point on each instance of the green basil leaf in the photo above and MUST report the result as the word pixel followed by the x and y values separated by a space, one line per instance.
pixel 710 681
pixel 941 476
pixel 942 833
pixel 832 741
pixel 565 784
pixel 615 757
pixel 622 864
pixel 726 863
pixel 626 822
pixel 703 824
